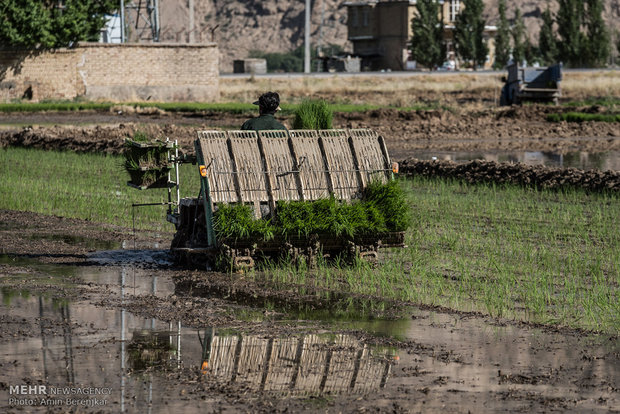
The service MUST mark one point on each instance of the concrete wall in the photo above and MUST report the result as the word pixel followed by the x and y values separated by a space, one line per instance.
pixel 113 72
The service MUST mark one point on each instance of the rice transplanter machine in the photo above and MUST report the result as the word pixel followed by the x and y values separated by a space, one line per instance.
pixel 261 168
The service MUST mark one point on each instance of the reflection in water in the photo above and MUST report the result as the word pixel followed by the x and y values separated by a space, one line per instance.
pixel 576 159
pixel 309 364
pixel 78 344
pixel 64 343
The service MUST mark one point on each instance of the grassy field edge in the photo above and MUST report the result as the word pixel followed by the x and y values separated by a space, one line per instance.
pixel 548 257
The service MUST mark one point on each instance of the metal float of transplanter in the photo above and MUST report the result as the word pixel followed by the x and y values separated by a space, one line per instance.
pixel 260 169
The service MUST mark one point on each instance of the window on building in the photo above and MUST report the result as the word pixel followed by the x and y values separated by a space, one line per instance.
pixel 455 6
pixel 354 17
pixel 365 17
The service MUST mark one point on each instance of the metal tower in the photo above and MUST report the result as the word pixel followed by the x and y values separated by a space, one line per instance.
pixel 140 20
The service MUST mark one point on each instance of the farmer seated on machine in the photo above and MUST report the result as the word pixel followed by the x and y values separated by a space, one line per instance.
pixel 268 104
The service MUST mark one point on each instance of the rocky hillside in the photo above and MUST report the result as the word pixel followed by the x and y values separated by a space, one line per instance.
pixel 239 26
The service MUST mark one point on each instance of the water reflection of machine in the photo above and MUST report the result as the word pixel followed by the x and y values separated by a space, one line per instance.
pixel 306 364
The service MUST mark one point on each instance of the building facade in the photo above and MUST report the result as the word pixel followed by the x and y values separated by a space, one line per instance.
pixel 380 31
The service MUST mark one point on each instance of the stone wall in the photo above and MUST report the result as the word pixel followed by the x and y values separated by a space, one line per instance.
pixel 112 72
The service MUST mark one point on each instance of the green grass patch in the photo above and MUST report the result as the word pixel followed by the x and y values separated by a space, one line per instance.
pixel 85 186
pixel 607 101
pixel 549 257
pixel 190 107
pixel 54 106
pixel 583 117
pixel 542 256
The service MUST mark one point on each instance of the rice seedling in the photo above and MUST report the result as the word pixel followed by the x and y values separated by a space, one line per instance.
pixel 382 209
pixel 236 221
pixel 146 160
pixel 313 115
pixel 537 255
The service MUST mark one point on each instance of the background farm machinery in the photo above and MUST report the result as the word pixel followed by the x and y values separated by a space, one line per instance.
pixel 539 84
pixel 263 170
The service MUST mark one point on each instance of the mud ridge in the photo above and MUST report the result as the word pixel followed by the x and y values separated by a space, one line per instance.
pixel 525 175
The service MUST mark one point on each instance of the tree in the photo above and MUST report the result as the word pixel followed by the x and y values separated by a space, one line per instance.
pixel 597 43
pixel 530 51
pixel 502 39
pixel 571 40
pixel 547 46
pixel 427 45
pixel 50 23
pixel 25 23
pixel 468 33
pixel 518 38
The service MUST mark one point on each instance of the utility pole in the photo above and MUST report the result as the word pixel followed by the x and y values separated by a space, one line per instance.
pixel 191 21
pixel 307 39
pixel 320 42
pixel 123 40
pixel 155 18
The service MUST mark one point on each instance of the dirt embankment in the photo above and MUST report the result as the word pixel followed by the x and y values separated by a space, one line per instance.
pixel 500 129
pixel 525 175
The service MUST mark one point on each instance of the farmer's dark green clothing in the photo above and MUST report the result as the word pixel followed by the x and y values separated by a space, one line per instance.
pixel 262 123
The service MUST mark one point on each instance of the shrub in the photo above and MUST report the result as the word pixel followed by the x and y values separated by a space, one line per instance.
pixel 313 115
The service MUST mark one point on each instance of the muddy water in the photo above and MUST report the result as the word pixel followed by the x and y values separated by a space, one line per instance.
pixel 578 159
pixel 448 362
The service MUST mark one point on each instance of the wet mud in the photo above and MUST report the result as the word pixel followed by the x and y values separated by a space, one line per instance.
pixel 89 305
pixel 463 129
pixel 83 311
pixel 519 174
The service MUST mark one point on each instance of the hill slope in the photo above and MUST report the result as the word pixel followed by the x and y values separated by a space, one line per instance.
pixel 239 26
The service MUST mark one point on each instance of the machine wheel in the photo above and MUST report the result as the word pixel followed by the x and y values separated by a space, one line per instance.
pixel 503 97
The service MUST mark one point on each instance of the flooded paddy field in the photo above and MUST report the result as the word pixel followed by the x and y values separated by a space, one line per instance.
pixel 97 307
pixel 81 311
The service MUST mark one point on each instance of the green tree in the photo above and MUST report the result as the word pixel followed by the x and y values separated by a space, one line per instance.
pixel 547 45
pixel 531 52
pixel 50 23
pixel 519 45
pixel 427 45
pixel 468 33
pixel 596 47
pixel 25 23
pixel 571 40
pixel 502 39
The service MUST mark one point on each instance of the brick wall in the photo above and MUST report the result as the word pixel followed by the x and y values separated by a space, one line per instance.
pixel 113 72
pixel 37 75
